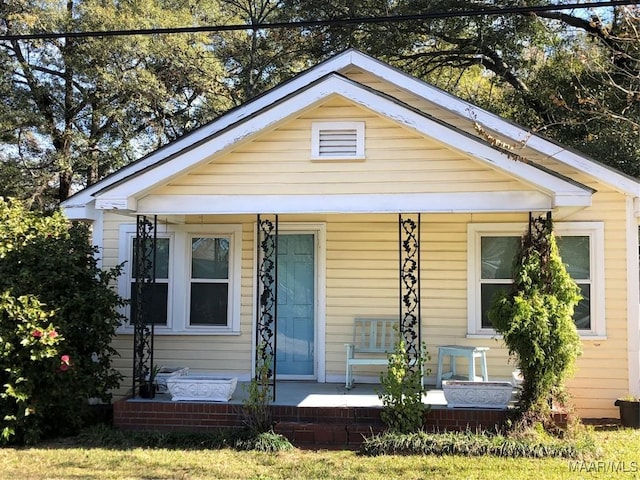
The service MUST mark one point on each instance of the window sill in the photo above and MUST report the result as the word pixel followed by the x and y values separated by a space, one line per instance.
pixel 184 332
pixel 583 336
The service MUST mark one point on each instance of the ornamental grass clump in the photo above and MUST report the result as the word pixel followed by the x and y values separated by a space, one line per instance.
pixel 535 319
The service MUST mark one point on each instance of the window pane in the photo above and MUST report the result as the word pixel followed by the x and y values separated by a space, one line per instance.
pixel 210 258
pixel 162 257
pixel 497 256
pixel 582 311
pixel 575 255
pixel 488 293
pixel 209 304
pixel 154 297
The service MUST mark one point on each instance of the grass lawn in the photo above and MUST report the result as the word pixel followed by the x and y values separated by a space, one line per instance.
pixel 67 459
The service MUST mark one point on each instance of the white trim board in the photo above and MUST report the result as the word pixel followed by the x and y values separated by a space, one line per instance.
pixel 468 202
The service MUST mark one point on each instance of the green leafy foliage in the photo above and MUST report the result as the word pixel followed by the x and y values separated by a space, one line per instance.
pixel 536 321
pixel 477 444
pixel 49 277
pixel 30 359
pixel 402 390
pixel 257 412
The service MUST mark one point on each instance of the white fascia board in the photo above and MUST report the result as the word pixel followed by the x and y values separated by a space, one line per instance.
pixel 467 202
pixel 110 202
pixel 335 84
pixel 494 122
pixel 85 212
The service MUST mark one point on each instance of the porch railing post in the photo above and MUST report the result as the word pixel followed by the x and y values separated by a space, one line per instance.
pixel 145 275
pixel 410 312
pixel 267 297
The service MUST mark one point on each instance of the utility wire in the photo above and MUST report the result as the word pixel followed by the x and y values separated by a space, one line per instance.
pixel 320 23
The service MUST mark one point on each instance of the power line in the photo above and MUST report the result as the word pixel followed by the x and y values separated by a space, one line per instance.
pixel 321 23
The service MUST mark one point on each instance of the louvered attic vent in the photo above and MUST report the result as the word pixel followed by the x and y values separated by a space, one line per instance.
pixel 337 141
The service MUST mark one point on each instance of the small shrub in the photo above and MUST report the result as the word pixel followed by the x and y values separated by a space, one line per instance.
pixel 264 442
pixel 257 412
pixel 402 390
pixel 476 444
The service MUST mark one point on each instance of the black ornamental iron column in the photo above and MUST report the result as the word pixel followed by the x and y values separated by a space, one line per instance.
pixel 410 315
pixel 267 297
pixel 144 270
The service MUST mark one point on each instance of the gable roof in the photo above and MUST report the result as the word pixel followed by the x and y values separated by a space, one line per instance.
pixel 119 189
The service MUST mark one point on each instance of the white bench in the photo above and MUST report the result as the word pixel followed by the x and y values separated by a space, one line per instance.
pixel 373 338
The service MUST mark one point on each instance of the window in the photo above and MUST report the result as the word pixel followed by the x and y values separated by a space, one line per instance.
pixel 155 295
pixel 197 289
pixel 209 296
pixel 492 248
pixel 337 140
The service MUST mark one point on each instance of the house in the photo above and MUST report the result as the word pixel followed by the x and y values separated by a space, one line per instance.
pixel 360 170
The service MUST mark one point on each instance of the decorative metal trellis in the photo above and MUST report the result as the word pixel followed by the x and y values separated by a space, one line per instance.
pixel 410 315
pixel 540 228
pixel 540 225
pixel 145 275
pixel 267 298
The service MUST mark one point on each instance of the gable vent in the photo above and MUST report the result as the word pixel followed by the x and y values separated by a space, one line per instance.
pixel 337 140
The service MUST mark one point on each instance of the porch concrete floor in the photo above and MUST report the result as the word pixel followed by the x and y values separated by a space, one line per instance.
pixel 313 394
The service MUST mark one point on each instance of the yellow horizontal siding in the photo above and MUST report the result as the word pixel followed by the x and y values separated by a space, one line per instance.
pixel 397 161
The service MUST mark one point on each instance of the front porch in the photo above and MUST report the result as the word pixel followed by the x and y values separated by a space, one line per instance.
pixel 309 414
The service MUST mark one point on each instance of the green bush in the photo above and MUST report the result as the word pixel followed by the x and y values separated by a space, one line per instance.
pixel 402 390
pixel 51 262
pixel 536 321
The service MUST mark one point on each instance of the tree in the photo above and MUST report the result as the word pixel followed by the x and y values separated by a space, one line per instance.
pixel 83 108
pixel 535 318
pixel 570 75
pixel 50 282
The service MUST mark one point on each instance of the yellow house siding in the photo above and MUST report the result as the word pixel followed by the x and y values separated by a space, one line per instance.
pixel 397 161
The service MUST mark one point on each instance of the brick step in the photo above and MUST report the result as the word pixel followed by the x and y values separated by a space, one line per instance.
pixel 325 435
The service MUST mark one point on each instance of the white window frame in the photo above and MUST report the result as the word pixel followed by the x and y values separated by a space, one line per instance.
pixel 318 127
pixel 192 280
pixel 180 277
pixel 593 230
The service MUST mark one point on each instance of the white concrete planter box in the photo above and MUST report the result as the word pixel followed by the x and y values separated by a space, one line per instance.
pixel 461 393
pixel 167 372
pixel 201 387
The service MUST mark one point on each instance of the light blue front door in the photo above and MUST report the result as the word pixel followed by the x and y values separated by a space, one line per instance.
pixel 296 306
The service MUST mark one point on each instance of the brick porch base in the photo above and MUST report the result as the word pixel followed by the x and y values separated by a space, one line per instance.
pixel 326 427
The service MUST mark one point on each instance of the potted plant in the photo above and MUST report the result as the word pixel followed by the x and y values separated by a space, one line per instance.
pixel 629 411
pixel 148 386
